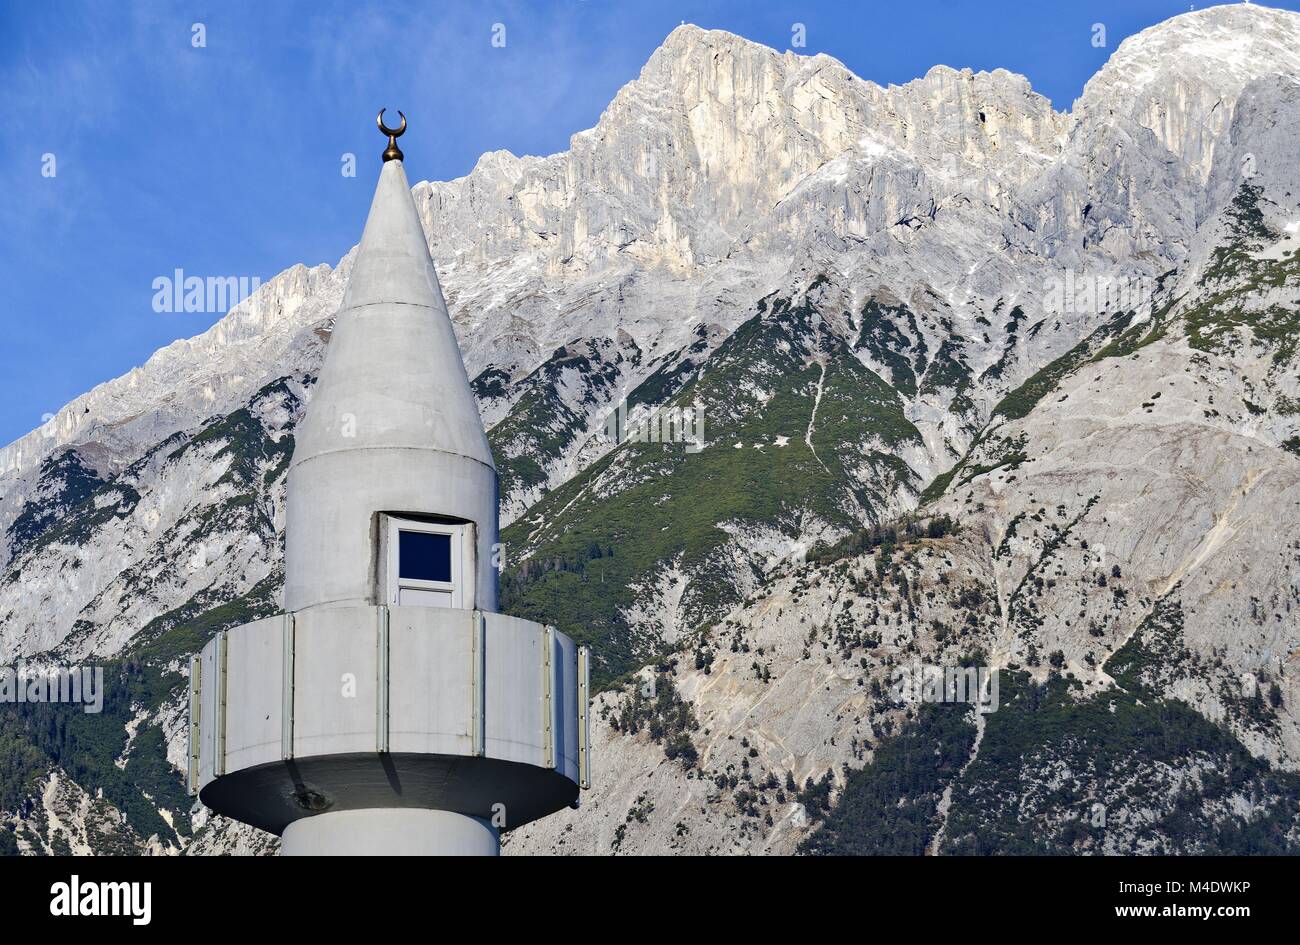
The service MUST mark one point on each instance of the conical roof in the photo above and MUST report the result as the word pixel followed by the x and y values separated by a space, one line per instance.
pixel 393 376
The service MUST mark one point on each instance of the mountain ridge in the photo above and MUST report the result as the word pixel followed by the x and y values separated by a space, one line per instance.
pixel 68 421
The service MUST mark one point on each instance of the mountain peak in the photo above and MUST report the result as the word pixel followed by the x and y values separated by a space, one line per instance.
pixel 1202 61
pixel 688 39
pixel 1227 45
pixel 690 35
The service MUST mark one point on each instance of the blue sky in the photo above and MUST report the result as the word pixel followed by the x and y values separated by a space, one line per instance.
pixel 225 159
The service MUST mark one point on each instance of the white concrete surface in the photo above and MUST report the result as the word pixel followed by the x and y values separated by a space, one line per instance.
pixel 389 832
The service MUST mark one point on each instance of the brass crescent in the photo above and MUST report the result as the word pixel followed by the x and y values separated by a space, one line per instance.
pixel 391 132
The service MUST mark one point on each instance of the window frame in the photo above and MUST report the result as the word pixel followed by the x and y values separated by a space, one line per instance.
pixel 461 586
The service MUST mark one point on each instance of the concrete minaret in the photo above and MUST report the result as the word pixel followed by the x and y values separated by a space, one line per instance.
pixel 390 709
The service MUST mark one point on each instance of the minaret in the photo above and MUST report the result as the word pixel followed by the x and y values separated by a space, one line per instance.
pixel 390 710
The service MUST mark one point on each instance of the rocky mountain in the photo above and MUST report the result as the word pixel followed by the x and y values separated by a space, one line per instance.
pixel 983 384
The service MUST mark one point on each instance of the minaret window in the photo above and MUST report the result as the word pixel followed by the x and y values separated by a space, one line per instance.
pixel 424 556
pixel 426 564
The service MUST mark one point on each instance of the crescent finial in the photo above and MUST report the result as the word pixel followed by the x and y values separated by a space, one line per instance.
pixel 392 152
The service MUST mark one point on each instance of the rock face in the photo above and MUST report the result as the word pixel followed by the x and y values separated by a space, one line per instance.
pixel 981 383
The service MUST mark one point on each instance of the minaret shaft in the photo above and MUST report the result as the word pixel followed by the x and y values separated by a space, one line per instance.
pixel 386 831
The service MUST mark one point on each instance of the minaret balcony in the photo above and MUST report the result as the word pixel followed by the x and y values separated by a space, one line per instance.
pixel 358 707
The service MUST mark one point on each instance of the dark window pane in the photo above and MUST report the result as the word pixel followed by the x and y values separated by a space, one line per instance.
pixel 424 557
